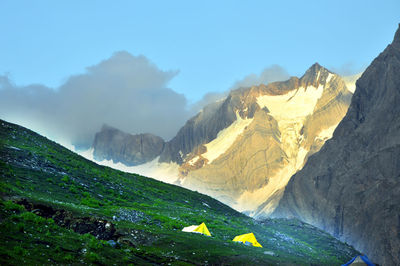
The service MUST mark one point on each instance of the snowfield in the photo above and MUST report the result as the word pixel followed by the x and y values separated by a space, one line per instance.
pixel 225 138
pixel 166 172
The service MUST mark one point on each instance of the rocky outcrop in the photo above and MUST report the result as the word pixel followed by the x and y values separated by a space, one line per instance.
pixel 204 127
pixel 100 228
pixel 351 187
pixel 113 144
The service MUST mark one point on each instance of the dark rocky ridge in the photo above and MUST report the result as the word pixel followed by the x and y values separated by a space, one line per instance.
pixel 200 129
pixel 113 144
pixel 351 187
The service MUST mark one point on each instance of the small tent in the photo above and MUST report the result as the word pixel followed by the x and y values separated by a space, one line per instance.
pixel 361 260
pixel 247 239
pixel 201 229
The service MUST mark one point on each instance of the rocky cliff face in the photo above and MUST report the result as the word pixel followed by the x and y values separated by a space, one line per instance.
pixel 351 188
pixel 275 128
pixel 206 125
pixel 113 144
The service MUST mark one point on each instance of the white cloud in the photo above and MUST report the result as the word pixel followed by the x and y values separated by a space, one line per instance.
pixel 350 74
pixel 351 81
pixel 268 75
pixel 125 91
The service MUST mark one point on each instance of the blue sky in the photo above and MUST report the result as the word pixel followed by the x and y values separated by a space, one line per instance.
pixel 69 67
pixel 211 43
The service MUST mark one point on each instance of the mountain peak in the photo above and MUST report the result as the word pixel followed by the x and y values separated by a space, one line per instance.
pixel 396 39
pixel 316 74
pixel 315 68
pixel 106 127
pixel 316 65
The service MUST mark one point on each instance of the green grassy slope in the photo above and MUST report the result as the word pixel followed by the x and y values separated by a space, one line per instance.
pixel 57 207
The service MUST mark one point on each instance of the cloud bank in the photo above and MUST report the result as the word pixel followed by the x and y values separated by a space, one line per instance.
pixel 124 91
pixel 350 74
pixel 268 75
pixel 208 98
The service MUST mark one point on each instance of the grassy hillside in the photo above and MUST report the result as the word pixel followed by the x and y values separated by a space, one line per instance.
pixel 57 207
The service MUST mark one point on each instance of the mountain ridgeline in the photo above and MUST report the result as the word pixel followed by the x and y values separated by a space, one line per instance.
pixel 243 149
pixel 351 188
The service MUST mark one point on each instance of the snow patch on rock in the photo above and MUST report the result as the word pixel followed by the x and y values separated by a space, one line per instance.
pixel 294 104
pixel 301 156
pixel 249 199
pixel 225 138
pixel 166 172
pixel 290 110
pixel 330 76
pixel 350 82
pixel 326 134
pixel 194 160
pixel 276 183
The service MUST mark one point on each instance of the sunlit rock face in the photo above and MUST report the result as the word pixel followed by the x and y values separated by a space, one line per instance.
pixel 351 187
pixel 275 128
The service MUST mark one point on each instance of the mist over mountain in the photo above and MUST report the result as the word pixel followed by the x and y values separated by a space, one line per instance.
pixel 125 91
pixel 269 74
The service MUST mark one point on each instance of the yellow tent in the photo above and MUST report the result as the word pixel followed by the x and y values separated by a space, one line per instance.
pixel 201 229
pixel 247 239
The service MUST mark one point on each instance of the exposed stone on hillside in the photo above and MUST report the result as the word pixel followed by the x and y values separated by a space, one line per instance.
pixel 351 188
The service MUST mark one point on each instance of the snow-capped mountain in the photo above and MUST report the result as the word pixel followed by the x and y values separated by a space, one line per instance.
pixel 243 149
pixel 276 127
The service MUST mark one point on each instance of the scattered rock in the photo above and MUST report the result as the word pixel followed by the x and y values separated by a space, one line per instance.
pixel 271 253
pixel 112 243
